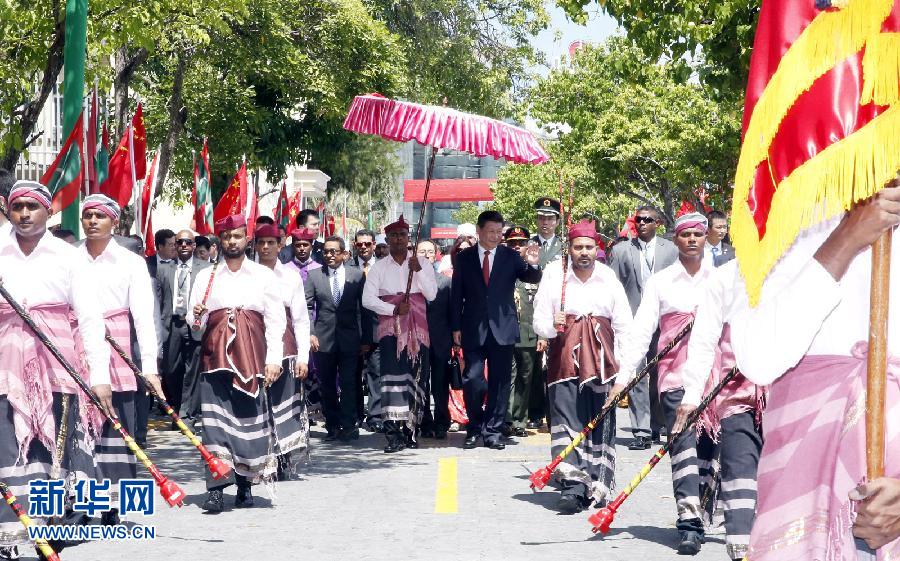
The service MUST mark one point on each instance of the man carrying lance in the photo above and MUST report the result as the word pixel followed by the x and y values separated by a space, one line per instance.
pixel 585 341
pixel 238 305
pixel 669 302
pixel 125 298
pixel 288 407
pixel 402 333
pixel 733 418
pixel 807 338
pixel 41 419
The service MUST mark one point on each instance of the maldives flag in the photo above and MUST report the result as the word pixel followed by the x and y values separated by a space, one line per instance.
pixel 234 199
pixel 202 194
pixel 65 175
pixel 97 153
pixel 148 194
pixel 280 212
pixel 129 162
pixel 821 122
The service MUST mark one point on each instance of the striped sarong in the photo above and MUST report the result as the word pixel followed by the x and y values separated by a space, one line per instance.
pixel 815 454
pixel 287 410
pixel 593 462
pixel 113 458
pixel 397 379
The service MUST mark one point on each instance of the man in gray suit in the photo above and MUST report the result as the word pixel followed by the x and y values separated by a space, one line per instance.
pixel 634 261
pixel 338 336
pixel 181 345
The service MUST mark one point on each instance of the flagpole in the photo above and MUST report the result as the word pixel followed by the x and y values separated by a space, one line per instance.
pixel 74 53
pixel 152 192
pixel 879 300
pixel 134 190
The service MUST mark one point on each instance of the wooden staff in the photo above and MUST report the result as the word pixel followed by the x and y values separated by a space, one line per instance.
pixel 601 520
pixel 217 467
pixel 877 362
pixel 26 521
pixel 565 251
pixel 541 477
pixel 430 173
pixel 170 491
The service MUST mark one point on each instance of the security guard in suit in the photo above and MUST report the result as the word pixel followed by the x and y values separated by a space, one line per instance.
pixel 548 214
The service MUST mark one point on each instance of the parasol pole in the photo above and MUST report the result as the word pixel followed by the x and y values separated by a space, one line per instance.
pixel 879 300
pixel 565 251
pixel 430 172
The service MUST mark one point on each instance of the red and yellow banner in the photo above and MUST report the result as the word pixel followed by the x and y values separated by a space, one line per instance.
pixel 821 122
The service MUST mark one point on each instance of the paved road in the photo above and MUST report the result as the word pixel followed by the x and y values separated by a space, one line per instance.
pixel 352 501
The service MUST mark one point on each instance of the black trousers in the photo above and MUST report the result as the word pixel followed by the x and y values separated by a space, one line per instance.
pixel 487 420
pixel 181 378
pixel 338 369
pixel 438 388
pixel 538 406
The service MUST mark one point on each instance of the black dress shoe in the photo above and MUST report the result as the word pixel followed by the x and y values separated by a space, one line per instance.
pixel 655 437
pixel 506 429
pixel 427 433
pixel 244 497
pixel 570 504
pixel 374 425
pixel 331 436
pixel 497 445
pixel 470 442
pixel 690 543
pixel 640 443
pixel 410 440
pixel 533 425
pixel 395 443
pixel 440 435
pixel 347 435
pixel 110 518
pixel 215 502
pixel 520 432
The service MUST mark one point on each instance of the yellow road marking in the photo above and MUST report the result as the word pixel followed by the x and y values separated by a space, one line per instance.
pixel 446 493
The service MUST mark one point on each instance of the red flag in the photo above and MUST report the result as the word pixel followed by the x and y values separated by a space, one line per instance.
pixel 128 163
pixel 92 135
pixel 234 199
pixel 65 175
pixel 147 196
pixel 202 195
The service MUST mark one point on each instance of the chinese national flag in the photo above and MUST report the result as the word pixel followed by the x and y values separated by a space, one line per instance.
pixel 234 199
pixel 292 212
pixel 821 122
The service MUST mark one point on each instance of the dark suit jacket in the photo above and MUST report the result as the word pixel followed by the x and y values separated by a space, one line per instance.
pixel 151 265
pixel 438 311
pixel 726 255
pixel 166 277
pixel 286 254
pixel 477 308
pixel 368 315
pixel 339 329
pixel 625 260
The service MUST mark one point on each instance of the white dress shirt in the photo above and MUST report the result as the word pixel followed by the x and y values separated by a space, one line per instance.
pixel 546 242
pixel 708 254
pixel 55 274
pixel 804 311
pixel 341 275
pixel 670 290
pixel 5 232
pixel 388 277
pixel 294 297
pixel 491 256
pixel 648 257
pixel 252 287
pixel 121 281
pixel 715 310
pixel 188 267
pixel 601 295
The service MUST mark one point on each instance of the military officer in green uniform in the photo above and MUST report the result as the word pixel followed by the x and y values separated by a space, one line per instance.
pixel 548 214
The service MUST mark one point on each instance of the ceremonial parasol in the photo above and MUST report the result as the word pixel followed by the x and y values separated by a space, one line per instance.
pixel 441 127
pixel 821 125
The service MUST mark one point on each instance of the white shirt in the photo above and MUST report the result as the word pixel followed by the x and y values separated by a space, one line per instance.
pixel 252 287
pixel 294 297
pixel 601 295
pixel 387 277
pixel 715 310
pixel 53 274
pixel 546 242
pixel 708 256
pixel 804 311
pixel 648 257
pixel 188 267
pixel 5 231
pixel 491 256
pixel 120 280
pixel 667 291
pixel 341 275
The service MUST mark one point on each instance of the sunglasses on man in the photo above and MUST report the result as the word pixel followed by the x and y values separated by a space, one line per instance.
pixel 184 242
pixel 363 244
pixel 644 219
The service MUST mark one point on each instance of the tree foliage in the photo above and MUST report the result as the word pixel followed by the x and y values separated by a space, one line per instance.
pixel 628 133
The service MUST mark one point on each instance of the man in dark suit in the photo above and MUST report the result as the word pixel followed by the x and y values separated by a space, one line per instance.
pixel 181 349
pixel 485 323
pixel 308 218
pixel 370 363
pixel 338 336
pixel 437 313
pixel 634 261
pixel 717 251
pixel 165 251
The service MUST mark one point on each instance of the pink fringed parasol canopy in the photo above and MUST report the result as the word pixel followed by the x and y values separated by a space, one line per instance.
pixel 442 127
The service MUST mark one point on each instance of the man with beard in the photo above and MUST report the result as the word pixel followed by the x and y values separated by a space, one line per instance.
pixel 241 313
pixel 39 404
pixel 126 301
pixel 288 406
pixel 402 333
pixel 669 302
pixel 585 343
